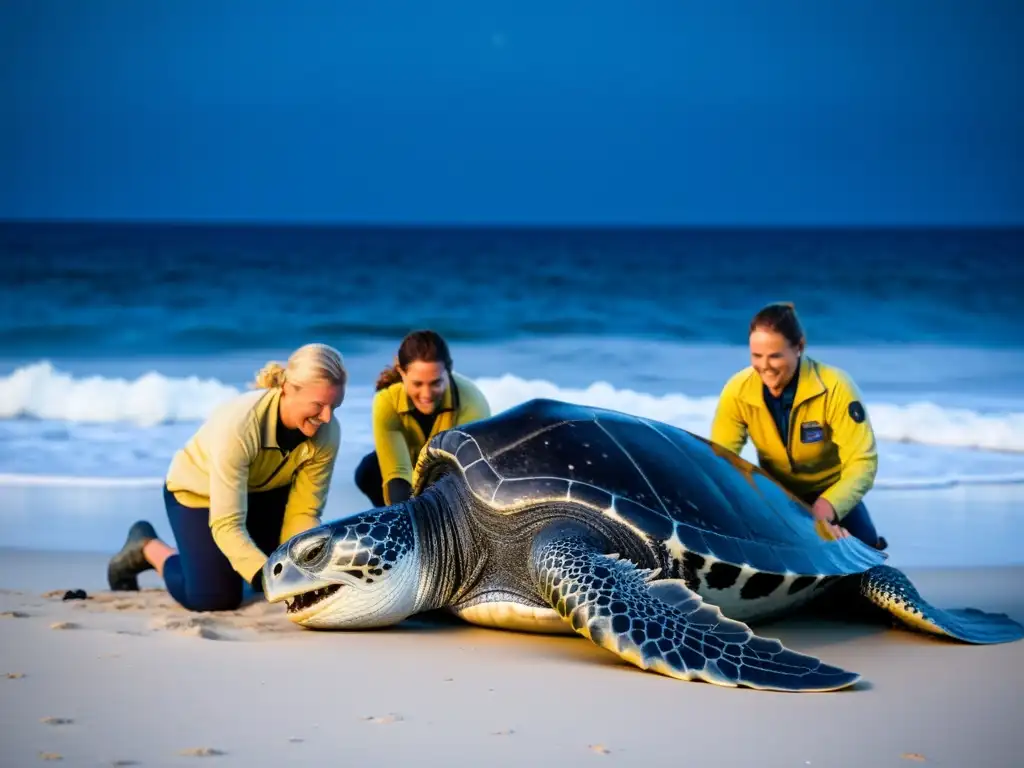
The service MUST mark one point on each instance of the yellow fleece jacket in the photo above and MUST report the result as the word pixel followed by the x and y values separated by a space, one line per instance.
pixel 831 450
pixel 397 435
pixel 234 453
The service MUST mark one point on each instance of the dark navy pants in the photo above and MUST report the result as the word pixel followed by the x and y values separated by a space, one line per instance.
pixel 199 576
pixel 369 479
pixel 857 522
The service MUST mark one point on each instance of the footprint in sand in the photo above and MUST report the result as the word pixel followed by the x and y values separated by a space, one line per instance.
pixel 600 749
pixel 204 632
pixel 190 626
pixel 14 615
pixel 98 597
pixel 65 625
pixel 201 752
pixel 50 756
pixel 15 675
pixel 56 720
pixel 387 719
pixel 180 622
pixel 270 626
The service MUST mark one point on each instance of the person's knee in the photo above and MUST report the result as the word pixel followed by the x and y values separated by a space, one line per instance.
pixel 364 472
pixel 199 594
pixel 207 600
pixel 858 516
pixel 368 479
pixel 859 523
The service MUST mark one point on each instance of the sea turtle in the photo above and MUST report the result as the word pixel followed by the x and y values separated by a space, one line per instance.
pixel 652 542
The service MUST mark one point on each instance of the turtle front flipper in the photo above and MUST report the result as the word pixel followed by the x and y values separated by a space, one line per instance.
pixel 663 626
pixel 891 590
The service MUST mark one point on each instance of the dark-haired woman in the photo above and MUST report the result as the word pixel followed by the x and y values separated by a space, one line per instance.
pixel 807 421
pixel 419 396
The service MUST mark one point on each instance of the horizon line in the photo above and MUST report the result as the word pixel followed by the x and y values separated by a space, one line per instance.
pixel 398 224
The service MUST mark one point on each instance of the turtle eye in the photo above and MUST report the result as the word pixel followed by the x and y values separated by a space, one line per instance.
pixel 313 554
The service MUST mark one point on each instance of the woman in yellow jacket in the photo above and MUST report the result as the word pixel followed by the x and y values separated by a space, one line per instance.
pixel 807 421
pixel 256 473
pixel 416 398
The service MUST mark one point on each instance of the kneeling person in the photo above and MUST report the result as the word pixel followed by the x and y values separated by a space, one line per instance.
pixel 417 398
pixel 255 474
pixel 807 421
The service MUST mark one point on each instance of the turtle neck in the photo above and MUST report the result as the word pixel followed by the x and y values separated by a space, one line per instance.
pixel 445 542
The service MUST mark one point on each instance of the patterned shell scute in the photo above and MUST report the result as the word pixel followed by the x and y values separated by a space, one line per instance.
pixel 530 490
pixel 591 495
pixel 452 440
pixel 482 479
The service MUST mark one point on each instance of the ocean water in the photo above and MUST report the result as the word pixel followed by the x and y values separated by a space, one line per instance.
pixel 117 340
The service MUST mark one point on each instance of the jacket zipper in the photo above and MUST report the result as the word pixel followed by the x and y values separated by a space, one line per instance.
pixel 789 439
pixel 273 474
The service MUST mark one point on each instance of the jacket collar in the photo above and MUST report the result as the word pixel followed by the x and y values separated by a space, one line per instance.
pixel 268 413
pixel 809 385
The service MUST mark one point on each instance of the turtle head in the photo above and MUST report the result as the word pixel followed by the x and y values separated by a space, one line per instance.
pixel 358 572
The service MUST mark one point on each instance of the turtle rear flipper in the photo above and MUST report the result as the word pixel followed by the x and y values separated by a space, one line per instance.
pixel 663 626
pixel 891 590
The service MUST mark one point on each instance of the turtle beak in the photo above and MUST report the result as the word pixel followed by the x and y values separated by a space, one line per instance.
pixel 282 579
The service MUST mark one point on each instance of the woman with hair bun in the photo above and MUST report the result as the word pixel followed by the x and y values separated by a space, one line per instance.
pixel 252 476
pixel 417 397
pixel 807 421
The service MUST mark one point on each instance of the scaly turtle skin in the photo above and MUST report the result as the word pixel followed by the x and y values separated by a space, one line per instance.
pixel 652 542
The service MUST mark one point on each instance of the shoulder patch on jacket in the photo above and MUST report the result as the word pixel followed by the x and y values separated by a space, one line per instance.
pixel 856 411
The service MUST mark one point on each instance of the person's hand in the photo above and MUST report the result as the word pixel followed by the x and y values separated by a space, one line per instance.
pixel 823 510
pixel 257 583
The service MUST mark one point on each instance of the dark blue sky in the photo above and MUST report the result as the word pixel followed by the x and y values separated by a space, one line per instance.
pixel 756 112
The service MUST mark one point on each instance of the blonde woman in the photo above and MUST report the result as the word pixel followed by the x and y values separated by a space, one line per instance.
pixel 252 476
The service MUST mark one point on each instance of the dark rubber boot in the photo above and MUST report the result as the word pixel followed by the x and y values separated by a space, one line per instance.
pixel 882 544
pixel 126 565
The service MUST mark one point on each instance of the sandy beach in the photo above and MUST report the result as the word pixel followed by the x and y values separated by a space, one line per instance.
pixel 131 679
